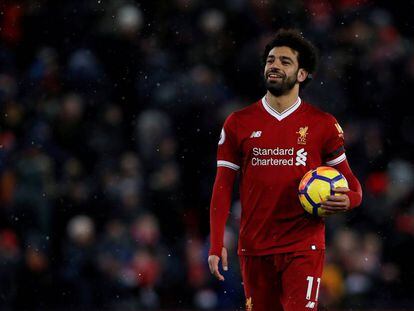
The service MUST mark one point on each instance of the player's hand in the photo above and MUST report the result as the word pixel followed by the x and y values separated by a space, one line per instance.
pixel 336 203
pixel 213 264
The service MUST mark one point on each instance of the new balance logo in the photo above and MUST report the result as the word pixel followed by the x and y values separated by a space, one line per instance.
pixel 310 305
pixel 301 157
pixel 256 134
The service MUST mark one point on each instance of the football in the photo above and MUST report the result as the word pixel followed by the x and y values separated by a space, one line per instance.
pixel 316 185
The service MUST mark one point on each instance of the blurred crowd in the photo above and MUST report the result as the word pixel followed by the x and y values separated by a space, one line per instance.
pixel 110 116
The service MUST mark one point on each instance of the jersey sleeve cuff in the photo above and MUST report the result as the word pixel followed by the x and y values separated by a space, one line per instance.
pixel 228 165
pixel 337 160
pixel 215 250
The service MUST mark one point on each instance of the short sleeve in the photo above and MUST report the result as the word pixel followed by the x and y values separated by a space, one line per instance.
pixel 333 149
pixel 228 154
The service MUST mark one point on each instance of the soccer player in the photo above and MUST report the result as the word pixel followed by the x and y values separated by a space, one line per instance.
pixel 273 143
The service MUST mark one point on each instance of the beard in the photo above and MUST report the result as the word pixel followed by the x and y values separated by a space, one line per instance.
pixel 279 88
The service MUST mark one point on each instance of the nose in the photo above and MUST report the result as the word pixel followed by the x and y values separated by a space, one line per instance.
pixel 276 65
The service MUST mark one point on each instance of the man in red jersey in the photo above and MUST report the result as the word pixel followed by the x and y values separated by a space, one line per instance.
pixel 273 143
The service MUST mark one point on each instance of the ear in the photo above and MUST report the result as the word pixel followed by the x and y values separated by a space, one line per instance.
pixel 302 75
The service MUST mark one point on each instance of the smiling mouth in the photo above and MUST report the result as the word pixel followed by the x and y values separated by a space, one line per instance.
pixel 274 76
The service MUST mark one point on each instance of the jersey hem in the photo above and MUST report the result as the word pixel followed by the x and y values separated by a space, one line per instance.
pixel 280 250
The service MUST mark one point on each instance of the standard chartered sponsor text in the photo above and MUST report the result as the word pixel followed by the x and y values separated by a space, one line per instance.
pixel 269 151
pixel 258 161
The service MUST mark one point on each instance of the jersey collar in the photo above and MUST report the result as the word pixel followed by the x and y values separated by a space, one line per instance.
pixel 281 115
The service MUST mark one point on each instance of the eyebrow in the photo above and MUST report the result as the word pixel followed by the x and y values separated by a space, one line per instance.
pixel 281 57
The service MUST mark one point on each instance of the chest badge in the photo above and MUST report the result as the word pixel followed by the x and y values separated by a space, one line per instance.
pixel 303 132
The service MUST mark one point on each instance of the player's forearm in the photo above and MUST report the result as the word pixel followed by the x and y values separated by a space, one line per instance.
pixel 220 207
pixel 355 193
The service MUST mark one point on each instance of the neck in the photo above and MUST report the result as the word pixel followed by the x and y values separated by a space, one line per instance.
pixel 283 102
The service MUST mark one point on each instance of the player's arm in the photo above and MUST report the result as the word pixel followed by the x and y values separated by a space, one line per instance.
pixel 219 211
pixel 228 163
pixel 334 155
pixel 348 198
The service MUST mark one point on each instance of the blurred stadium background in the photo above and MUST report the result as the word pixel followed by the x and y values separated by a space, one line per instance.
pixel 110 115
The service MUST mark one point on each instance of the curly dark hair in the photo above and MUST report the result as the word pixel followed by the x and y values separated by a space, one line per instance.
pixel 292 38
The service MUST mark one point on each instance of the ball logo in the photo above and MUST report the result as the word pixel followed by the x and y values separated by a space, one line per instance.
pixel 301 157
pixel 222 137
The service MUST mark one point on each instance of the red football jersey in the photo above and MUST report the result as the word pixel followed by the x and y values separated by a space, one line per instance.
pixel 273 151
